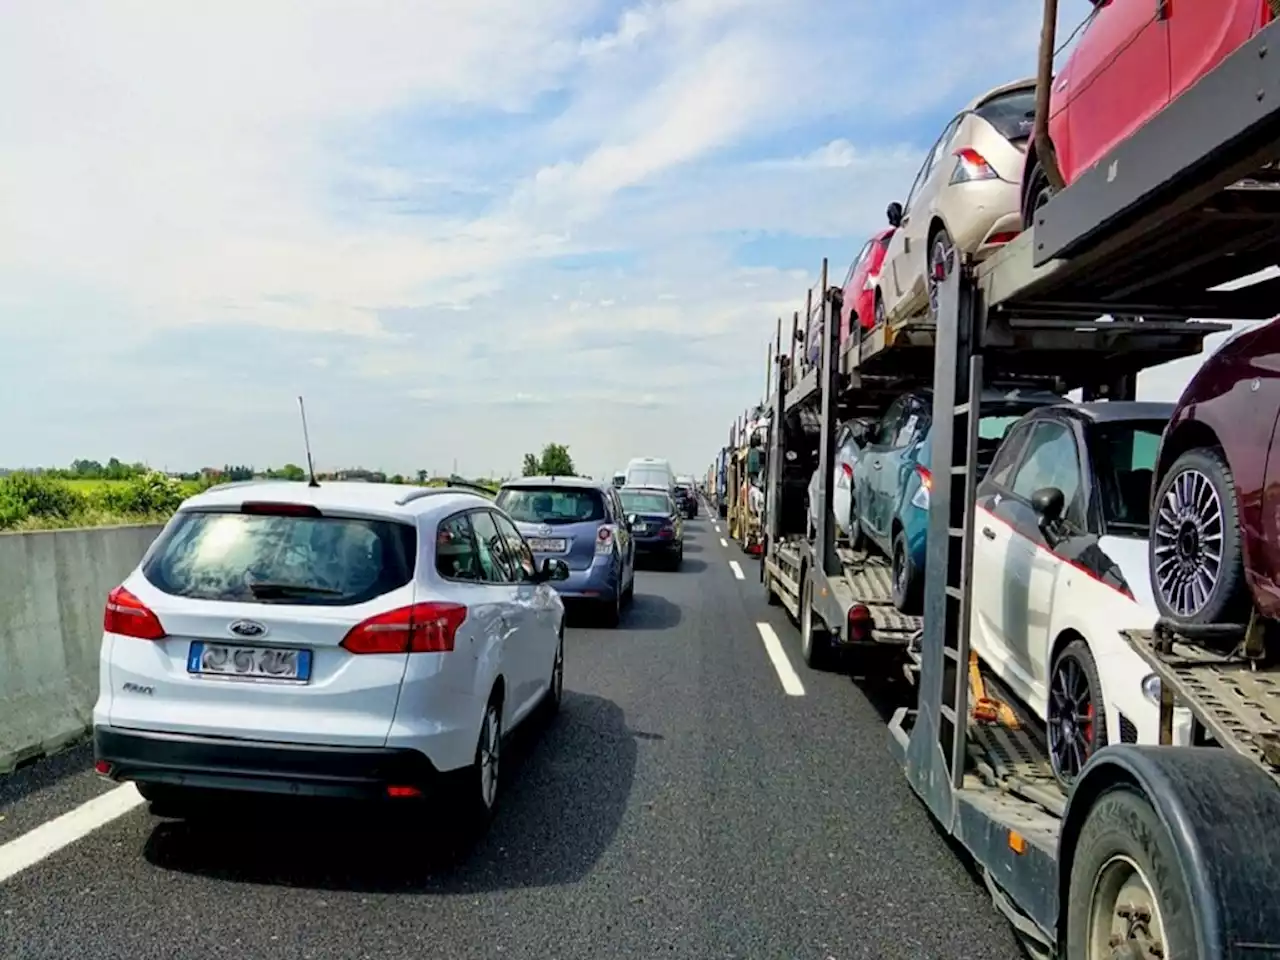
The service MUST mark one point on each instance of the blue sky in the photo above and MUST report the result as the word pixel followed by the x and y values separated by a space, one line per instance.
pixel 462 230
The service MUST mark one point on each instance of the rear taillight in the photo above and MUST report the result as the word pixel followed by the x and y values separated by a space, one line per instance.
pixel 421 628
pixel 127 616
pixel 859 622
pixel 999 238
pixel 971 166
pixel 847 470
pixel 922 496
pixel 604 540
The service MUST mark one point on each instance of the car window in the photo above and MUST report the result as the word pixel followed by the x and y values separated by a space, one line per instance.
pixel 944 141
pixel 456 554
pixel 301 559
pixel 887 429
pixel 857 261
pixel 1013 113
pixel 645 501
pixel 494 562
pixel 921 177
pixel 1051 461
pixel 517 549
pixel 552 504
pixel 1123 456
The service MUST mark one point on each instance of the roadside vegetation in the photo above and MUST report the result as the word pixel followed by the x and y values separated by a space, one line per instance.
pixel 93 494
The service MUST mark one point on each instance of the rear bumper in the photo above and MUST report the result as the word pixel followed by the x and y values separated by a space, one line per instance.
pixel 598 582
pixel 652 546
pixel 275 768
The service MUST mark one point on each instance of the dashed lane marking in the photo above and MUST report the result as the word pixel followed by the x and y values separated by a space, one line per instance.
pixel 790 680
pixel 724 542
pixel 48 838
pixel 736 567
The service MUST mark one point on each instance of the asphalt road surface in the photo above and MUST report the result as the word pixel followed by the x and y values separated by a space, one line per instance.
pixel 701 795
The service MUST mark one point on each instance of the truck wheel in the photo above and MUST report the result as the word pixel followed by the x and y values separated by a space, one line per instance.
pixel 1127 896
pixel 1195 547
pixel 815 641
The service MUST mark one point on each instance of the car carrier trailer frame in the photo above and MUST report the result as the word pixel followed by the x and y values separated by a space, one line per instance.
pixel 1148 233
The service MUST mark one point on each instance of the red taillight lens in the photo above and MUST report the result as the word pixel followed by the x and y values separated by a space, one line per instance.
pixel 860 622
pixel 267 509
pixel 970 166
pixel 128 616
pixel 847 470
pixel 421 628
pixel 604 540
pixel 926 478
pixel 997 238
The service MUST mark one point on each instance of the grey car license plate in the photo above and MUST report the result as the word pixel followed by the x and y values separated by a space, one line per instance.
pixel 548 546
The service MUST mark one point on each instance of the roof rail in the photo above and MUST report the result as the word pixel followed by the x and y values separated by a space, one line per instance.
pixel 238 483
pixel 459 482
pixel 419 492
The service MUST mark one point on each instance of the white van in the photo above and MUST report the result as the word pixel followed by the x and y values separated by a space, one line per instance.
pixel 650 472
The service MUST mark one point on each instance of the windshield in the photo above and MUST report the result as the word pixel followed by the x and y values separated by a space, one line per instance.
pixel 271 559
pixel 994 428
pixel 1012 113
pixel 648 477
pixel 635 502
pixel 552 505
pixel 1124 461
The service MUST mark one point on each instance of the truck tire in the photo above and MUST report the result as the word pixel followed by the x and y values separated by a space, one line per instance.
pixel 815 639
pixel 1124 858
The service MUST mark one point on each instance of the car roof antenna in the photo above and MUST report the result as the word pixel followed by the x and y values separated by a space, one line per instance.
pixel 306 442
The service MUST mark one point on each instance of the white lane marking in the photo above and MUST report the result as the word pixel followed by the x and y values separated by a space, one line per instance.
pixel 717 526
pixel 736 567
pixel 791 684
pixel 48 838
pixel 724 542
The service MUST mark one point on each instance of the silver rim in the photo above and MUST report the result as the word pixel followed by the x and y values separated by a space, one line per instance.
pixel 557 673
pixel 490 751
pixel 1188 543
pixel 942 260
pixel 900 570
pixel 1124 918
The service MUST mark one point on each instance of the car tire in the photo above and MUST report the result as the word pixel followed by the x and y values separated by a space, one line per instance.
pixel 676 559
pixel 941 251
pixel 1199 492
pixel 1074 683
pixel 555 689
pixel 906 577
pixel 629 594
pixel 1039 192
pixel 1122 834
pixel 880 314
pixel 611 610
pixel 480 787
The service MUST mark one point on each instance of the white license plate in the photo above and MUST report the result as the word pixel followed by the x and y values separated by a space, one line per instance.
pixel 249 663
pixel 548 546
pixel 641 529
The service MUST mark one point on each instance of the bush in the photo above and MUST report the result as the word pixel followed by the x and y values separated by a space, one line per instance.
pixel 26 496
pixel 150 494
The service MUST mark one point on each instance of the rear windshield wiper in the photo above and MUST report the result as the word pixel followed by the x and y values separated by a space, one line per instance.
pixel 264 590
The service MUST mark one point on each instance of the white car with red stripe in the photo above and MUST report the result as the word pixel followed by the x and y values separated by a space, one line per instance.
pixel 1060 568
pixel 345 640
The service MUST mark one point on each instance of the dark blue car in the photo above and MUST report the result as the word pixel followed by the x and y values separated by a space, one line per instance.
pixel 583 523
pixel 656 524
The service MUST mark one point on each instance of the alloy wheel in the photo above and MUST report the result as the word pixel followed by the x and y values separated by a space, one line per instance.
pixel 490 754
pixel 1072 714
pixel 1188 532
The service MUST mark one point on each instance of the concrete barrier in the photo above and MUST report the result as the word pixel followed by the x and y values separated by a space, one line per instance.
pixel 53 587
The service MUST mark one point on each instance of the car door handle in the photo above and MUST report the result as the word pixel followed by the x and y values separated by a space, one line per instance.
pixel 988 533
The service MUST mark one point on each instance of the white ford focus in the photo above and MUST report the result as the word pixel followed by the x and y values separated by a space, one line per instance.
pixel 345 640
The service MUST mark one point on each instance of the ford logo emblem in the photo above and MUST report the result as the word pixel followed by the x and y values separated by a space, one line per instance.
pixel 248 628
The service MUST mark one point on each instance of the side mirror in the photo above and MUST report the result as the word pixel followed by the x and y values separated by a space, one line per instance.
pixel 553 570
pixel 893 213
pixel 631 519
pixel 1049 503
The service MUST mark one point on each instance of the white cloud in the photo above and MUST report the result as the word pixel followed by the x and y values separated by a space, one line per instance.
pixel 210 210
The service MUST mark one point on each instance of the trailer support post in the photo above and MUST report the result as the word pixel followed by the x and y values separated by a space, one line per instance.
pixel 826 545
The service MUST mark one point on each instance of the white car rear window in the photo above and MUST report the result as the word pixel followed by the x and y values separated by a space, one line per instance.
pixel 264 558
